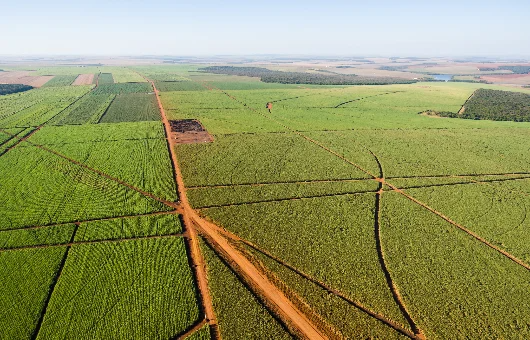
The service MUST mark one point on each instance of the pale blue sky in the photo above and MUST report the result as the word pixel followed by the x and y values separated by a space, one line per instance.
pixel 274 27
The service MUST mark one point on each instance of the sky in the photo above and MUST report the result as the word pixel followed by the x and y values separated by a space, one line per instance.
pixel 201 28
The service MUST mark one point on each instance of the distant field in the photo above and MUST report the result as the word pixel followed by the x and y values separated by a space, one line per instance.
pixel 372 221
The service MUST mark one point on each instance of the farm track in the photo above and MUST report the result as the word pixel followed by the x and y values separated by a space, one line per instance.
pixel 359 99
pixel 390 323
pixel 78 243
pixel 469 232
pixel 100 173
pixel 461 227
pixel 299 198
pixel 20 139
pixel 52 286
pixel 157 213
pixel 219 186
pixel 187 333
pixel 381 253
pixel 216 186
pixel 289 313
pixel 192 242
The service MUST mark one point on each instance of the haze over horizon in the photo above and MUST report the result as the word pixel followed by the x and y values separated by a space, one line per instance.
pixel 487 28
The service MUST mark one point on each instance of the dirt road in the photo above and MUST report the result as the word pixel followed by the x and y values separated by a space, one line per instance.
pixel 286 308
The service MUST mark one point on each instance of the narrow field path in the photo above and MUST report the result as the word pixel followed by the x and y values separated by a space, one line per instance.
pixel 52 286
pixel 358 99
pixel 216 186
pixel 74 243
pixel 476 236
pixel 289 312
pixel 194 328
pixel 102 174
pixel 298 198
pixel 323 285
pixel 381 253
pixel 192 241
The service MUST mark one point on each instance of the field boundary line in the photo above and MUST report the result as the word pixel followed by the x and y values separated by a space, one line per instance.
pixel 394 289
pixel 298 133
pixel 79 243
pixel 362 98
pixel 257 280
pixel 459 176
pixel 156 213
pixel 388 322
pixel 106 110
pixel 259 184
pixel 52 286
pixel 297 319
pixel 460 183
pixel 286 199
pixel 191 330
pixel 20 139
pixel 319 283
pixel 461 227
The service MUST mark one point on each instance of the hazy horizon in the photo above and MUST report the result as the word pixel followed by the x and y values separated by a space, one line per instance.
pixel 335 28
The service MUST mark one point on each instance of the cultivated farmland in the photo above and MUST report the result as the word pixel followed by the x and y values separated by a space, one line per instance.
pixel 313 211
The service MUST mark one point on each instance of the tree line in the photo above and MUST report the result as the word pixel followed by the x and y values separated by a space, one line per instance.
pixel 282 77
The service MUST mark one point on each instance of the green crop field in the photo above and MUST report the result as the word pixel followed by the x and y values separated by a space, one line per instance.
pixel 371 218
pixel 132 108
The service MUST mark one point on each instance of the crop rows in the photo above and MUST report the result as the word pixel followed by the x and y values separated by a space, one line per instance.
pixel 244 317
pixel 105 78
pixel 26 278
pixel 87 110
pixel 123 88
pixel 137 289
pixel 60 81
pixel 40 188
pixel 132 108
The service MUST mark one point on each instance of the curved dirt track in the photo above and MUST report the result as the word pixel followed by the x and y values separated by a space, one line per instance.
pixel 285 307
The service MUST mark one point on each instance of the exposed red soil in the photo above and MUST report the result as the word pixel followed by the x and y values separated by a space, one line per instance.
pixel 321 284
pixel 517 79
pixel 288 311
pixel 23 77
pixel 189 131
pixel 191 330
pixel 199 265
pixel 84 79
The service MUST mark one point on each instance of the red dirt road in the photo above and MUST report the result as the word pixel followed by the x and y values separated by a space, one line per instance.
pixel 287 309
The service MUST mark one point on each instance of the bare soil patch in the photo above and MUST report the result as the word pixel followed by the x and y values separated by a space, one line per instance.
pixel 23 77
pixel 189 131
pixel 517 79
pixel 84 79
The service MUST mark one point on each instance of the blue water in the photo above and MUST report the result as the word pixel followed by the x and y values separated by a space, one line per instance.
pixel 443 77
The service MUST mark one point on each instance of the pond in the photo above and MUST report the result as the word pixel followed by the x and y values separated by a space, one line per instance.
pixel 443 77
